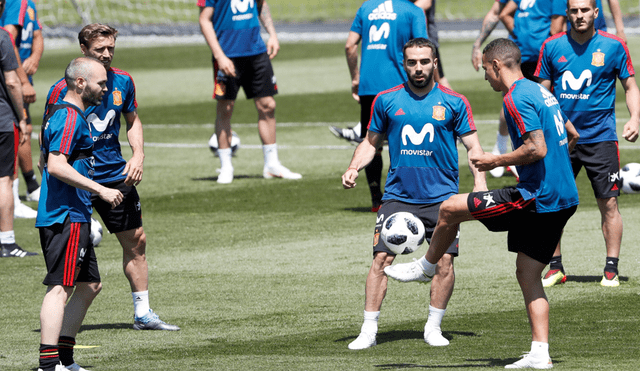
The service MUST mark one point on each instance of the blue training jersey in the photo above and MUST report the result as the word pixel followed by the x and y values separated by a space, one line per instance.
pixel 422 133
pixel 14 14
pixel 532 22
pixel 66 131
pixel 528 106
pixel 31 24
pixel 105 122
pixel 584 81
pixel 237 26
pixel 385 26
pixel 560 8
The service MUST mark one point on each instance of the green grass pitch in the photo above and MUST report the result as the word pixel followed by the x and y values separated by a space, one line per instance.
pixel 269 274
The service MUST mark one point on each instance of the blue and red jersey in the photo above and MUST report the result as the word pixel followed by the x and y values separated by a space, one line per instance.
pixel 30 25
pixel 422 134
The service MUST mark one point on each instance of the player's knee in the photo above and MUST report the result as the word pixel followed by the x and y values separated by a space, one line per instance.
pixel 381 260
pixel 266 106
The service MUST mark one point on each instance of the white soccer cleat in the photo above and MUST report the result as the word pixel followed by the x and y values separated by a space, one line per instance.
pixel 22 211
pixel 34 196
pixel 407 272
pixel 225 175
pixel 59 367
pixel 75 367
pixel 363 341
pixel 433 336
pixel 528 361
pixel 279 171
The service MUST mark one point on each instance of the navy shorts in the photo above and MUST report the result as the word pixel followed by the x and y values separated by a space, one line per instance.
pixel 7 154
pixel 504 210
pixel 366 103
pixel 254 74
pixel 127 215
pixel 68 253
pixel 428 214
pixel 602 163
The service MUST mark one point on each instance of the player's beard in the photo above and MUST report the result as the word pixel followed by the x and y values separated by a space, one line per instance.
pixel 90 98
pixel 589 26
pixel 423 83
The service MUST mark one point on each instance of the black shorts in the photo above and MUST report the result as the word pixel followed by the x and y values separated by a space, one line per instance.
pixel 440 69
pixel 504 210
pixel 124 217
pixel 428 214
pixel 366 103
pixel 528 69
pixel 7 154
pixel 254 74
pixel 68 252
pixel 602 163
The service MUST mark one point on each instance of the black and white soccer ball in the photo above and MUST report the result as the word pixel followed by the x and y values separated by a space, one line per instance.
pixel 630 175
pixel 96 232
pixel 235 143
pixel 402 233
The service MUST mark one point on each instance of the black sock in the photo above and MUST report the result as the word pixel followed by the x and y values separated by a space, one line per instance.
pixel 31 181
pixel 48 357
pixel 556 263
pixel 65 345
pixel 374 177
pixel 611 265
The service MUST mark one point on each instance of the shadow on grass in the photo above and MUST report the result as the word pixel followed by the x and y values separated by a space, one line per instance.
pixel 592 278
pixel 481 363
pixel 359 209
pixel 103 326
pixel 215 178
pixel 384 337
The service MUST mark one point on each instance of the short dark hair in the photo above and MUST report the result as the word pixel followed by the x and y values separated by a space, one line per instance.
pixel 504 50
pixel 95 30
pixel 419 42
pixel 593 4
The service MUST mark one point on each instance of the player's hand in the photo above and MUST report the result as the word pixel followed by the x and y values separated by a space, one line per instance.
pixel 28 93
pixel 355 85
pixel 111 196
pixel 349 178
pixel 23 131
pixel 30 66
pixel 226 66
pixel 133 169
pixel 485 161
pixel 273 46
pixel 476 58
pixel 630 131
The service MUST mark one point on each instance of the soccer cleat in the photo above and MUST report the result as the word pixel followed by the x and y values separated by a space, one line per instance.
pixel 22 211
pixel 59 367
pixel 12 250
pixel 34 196
pixel 348 134
pixel 151 321
pixel 376 206
pixel 407 272
pixel 528 361
pixel 75 367
pixel 279 171
pixel 225 175
pixel 554 277
pixel 610 279
pixel 363 341
pixel 433 336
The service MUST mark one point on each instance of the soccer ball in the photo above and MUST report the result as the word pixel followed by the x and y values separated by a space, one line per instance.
pixel 235 143
pixel 402 233
pixel 96 232
pixel 630 175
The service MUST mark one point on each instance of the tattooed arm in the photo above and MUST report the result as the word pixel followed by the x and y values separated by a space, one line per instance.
pixel 490 22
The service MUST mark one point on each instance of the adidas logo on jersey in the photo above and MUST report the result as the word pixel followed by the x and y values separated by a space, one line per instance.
pixel 383 11
pixel 562 60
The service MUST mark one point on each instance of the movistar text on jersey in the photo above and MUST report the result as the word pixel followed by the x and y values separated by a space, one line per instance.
pixel 377 46
pixel 242 17
pixel 574 96
pixel 416 152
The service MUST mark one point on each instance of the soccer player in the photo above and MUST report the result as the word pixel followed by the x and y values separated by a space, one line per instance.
pixel 383 26
pixel 582 66
pixel 559 22
pixel 543 200
pixel 64 214
pixel 12 128
pixel 429 7
pixel 241 58
pixel 422 121
pixel 113 171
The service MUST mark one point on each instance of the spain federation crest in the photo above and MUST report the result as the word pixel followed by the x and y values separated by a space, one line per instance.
pixel 598 59
pixel 31 13
pixel 117 97
pixel 438 113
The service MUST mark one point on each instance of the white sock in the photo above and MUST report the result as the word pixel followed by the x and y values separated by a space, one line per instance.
pixel 501 143
pixel 225 157
pixel 16 196
pixel 141 303
pixel 270 154
pixel 428 268
pixel 435 317
pixel 7 237
pixel 370 325
pixel 539 349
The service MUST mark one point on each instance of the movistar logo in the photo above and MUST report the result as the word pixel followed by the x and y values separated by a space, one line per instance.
pixel 417 138
pixel 526 4
pixel 101 125
pixel 375 34
pixel 576 84
pixel 241 5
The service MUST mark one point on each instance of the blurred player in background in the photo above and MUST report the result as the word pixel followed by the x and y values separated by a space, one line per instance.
pixel 64 215
pixel 429 7
pixel 432 118
pixel 241 59
pixel 383 26
pixel 544 199
pixel 113 171
pixel 582 66
pixel 559 22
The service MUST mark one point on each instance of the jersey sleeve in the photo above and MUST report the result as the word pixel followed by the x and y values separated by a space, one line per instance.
pixel 378 123
pixel 521 111
pixel 559 7
pixel 36 24
pixel 419 26
pixel 543 68
pixel 130 103
pixel 464 119
pixel 625 66
pixel 14 13
pixel 61 132
pixel 356 26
